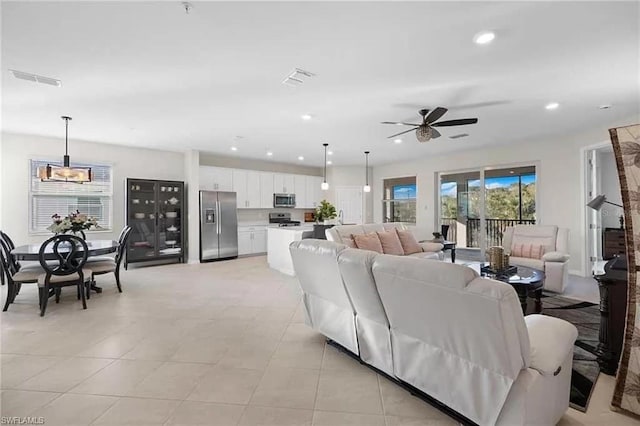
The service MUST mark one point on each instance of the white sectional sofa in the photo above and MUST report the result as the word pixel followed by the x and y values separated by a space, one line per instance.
pixel 441 329
pixel 554 261
pixel 342 234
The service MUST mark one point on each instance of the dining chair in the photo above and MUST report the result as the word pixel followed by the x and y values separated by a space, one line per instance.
pixel 14 274
pixel 107 265
pixel 71 253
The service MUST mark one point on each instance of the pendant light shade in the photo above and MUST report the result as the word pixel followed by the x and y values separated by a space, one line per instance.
pixel 325 186
pixel 66 173
pixel 366 188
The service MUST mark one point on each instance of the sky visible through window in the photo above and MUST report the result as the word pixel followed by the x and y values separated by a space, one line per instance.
pixel 450 189
pixel 404 191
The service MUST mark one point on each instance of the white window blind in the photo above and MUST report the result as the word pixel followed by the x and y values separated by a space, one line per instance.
pixel 48 198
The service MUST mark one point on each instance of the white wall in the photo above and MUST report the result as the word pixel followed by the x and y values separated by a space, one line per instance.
pixel 17 150
pixel 610 187
pixel 560 182
pixel 209 159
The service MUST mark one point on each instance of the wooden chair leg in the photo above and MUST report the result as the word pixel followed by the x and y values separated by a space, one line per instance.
pixel 2 276
pixel 82 292
pixel 117 274
pixel 87 286
pixel 16 291
pixel 58 291
pixel 9 296
pixel 45 299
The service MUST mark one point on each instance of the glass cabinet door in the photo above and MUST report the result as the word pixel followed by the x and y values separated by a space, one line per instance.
pixel 170 212
pixel 142 217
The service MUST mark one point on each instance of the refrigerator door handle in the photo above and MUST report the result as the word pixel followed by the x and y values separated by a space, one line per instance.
pixel 218 221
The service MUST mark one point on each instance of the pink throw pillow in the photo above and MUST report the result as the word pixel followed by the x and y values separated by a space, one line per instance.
pixel 409 243
pixel 390 243
pixel 529 251
pixel 368 242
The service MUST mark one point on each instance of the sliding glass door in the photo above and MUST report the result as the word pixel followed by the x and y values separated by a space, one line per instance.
pixel 477 206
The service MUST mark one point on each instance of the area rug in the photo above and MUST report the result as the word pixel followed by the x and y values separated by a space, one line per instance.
pixel 586 317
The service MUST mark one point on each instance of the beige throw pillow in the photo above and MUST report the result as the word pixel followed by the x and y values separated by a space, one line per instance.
pixel 409 243
pixel 390 243
pixel 367 242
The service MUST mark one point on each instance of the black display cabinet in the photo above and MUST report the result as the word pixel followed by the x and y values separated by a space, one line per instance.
pixel 156 214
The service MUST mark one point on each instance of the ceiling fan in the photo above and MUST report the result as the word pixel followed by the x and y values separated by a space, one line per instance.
pixel 425 131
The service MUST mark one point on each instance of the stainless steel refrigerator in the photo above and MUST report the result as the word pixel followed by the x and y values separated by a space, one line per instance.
pixel 218 225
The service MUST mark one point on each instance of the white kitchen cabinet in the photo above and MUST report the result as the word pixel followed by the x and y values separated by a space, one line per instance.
pixel 300 189
pixel 266 190
pixel 216 178
pixel 252 240
pixel 283 183
pixel 246 184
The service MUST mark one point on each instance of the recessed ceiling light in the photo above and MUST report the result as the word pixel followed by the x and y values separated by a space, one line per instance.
pixel 399 124
pixel 512 172
pixel 552 105
pixel 397 140
pixel 329 152
pixel 484 37
pixel 233 148
pixel 329 162
pixel 605 106
pixel 306 117
pixel 301 158
pixel 269 154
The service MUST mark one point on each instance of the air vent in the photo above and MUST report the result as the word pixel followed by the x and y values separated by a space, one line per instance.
pixel 461 135
pixel 36 78
pixel 297 77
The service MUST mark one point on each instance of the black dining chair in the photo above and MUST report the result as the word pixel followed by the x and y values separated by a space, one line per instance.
pixel 71 254
pixel 108 265
pixel 15 275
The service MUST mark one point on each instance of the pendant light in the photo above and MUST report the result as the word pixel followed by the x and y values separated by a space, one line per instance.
pixel 66 173
pixel 366 188
pixel 325 186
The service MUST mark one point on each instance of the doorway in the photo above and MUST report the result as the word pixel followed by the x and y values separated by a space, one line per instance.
pixel 349 201
pixel 478 205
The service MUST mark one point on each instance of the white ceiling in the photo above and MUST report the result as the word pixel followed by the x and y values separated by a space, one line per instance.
pixel 149 75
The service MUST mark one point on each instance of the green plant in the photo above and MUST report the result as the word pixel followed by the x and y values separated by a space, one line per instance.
pixel 325 211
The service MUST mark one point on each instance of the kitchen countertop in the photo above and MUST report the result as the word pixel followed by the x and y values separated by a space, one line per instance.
pixel 291 228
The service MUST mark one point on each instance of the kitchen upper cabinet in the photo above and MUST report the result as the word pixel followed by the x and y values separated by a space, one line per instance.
pixel 300 189
pixel 266 190
pixel 216 178
pixel 246 184
pixel 283 183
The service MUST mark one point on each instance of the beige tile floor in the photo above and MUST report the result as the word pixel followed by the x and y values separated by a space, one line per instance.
pixel 216 344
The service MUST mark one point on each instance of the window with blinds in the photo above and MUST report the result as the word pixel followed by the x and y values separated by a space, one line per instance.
pixel 94 198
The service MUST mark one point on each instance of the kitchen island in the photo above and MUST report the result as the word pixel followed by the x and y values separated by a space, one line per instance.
pixel 278 240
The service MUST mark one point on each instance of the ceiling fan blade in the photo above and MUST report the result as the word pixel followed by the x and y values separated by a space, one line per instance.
pixel 435 115
pixel 460 122
pixel 435 133
pixel 399 122
pixel 401 133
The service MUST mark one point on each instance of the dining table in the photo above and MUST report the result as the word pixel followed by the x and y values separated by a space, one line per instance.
pixel 31 252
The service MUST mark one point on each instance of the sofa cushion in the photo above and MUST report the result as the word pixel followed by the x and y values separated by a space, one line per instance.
pixel 544 235
pixel 426 255
pixel 555 256
pixel 525 261
pixel 409 243
pixel 390 243
pixel 531 251
pixel 368 242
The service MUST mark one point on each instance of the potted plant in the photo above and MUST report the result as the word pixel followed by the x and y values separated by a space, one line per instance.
pixel 325 212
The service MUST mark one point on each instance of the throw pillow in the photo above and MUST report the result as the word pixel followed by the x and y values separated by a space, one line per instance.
pixel 368 242
pixel 409 243
pixel 390 243
pixel 530 251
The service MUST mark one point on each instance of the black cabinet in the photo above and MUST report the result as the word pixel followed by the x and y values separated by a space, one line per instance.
pixel 156 213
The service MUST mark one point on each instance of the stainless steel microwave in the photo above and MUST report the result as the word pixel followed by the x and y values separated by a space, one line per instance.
pixel 284 200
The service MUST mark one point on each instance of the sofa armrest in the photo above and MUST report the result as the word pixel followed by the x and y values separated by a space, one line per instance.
pixel 551 340
pixel 431 247
pixel 555 256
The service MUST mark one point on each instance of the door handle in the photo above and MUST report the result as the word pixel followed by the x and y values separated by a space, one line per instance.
pixel 218 221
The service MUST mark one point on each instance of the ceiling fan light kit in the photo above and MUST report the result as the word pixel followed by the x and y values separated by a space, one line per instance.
pixel 66 173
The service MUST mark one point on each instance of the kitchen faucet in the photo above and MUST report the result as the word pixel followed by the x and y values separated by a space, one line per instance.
pixel 341 217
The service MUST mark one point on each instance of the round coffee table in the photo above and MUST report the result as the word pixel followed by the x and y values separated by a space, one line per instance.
pixel 527 282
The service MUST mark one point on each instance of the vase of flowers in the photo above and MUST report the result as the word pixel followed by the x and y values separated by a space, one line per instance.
pixel 75 223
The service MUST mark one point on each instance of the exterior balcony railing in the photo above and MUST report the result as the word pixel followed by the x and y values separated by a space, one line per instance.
pixel 471 227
